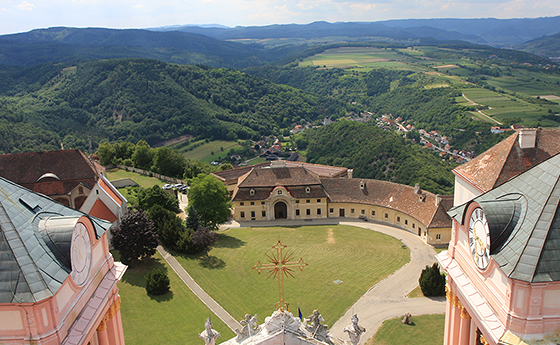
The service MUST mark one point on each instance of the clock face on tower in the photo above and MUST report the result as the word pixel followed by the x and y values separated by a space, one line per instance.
pixel 80 254
pixel 479 238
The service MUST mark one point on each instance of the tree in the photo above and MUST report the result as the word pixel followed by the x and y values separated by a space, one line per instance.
pixel 168 226
pixel 155 195
pixel 192 219
pixel 135 237
pixel 432 281
pixel 226 166
pixel 157 282
pixel 210 199
pixel 106 153
pixel 143 155
pixel 169 162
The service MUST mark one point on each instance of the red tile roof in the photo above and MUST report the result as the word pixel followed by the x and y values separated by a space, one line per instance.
pixel 396 196
pixel 231 176
pixel 506 159
pixel 70 166
pixel 286 177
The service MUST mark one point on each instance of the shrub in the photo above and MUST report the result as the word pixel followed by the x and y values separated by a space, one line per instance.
pixel 157 282
pixel 202 240
pixel 432 281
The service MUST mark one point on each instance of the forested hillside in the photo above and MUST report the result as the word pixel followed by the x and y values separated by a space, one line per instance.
pixel 548 46
pixel 61 44
pixel 56 105
pixel 378 154
pixel 392 92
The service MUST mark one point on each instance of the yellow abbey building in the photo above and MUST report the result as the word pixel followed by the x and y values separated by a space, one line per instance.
pixel 300 191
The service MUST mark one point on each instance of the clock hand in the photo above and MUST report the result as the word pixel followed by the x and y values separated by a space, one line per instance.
pixel 79 251
pixel 481 244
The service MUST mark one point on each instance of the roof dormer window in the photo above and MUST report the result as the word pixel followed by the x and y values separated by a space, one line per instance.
pixel 252 192
pixel 307 190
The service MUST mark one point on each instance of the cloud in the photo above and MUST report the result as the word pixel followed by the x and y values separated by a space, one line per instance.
pixel 139 6
pixel 26 6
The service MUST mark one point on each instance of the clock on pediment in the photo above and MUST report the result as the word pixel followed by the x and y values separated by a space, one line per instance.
pixel 479 238
pixel 80 254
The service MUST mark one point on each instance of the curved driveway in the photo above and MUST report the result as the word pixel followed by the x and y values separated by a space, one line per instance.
pixel 387 299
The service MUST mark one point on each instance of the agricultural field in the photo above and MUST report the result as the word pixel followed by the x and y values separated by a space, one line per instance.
pixel 514 94
pixel 207 151
pixel 360 57
pixel 356 257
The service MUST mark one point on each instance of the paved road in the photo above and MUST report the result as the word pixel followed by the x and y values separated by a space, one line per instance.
pixel 387 299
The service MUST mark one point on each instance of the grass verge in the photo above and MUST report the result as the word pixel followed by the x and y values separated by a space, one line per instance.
pixel 173 318
pixel 425 330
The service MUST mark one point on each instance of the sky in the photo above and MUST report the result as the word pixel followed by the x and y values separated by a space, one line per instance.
pixel 26 15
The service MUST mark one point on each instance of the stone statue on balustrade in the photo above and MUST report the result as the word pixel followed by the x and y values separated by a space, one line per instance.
pixel 354 330
pixel 250 327
pixel 317 329
pixel 209 335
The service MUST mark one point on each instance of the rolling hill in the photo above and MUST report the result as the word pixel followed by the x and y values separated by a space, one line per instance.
pixel 61 44
pixel 548 46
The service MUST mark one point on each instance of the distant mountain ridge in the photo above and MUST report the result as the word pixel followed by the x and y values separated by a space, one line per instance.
pixel 209 44
pixel 496 32
pixel 325 29
pixel 64 44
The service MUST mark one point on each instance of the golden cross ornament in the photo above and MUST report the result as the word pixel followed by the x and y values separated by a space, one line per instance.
pixel 279 266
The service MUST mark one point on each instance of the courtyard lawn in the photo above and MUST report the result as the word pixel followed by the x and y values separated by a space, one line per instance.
pixel 176 317
pixel 356 257
pixel 425 330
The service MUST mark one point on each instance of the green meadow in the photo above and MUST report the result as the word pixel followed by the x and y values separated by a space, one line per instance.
pixel 207 151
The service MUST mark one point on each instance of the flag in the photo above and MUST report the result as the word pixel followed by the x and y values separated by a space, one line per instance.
pixel 300 314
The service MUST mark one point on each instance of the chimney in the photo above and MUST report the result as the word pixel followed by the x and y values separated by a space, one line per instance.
pixel 417 188
pixel 278 164
pixel 527 138
pixel 438 199
pixel 350 171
